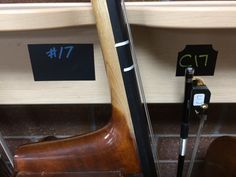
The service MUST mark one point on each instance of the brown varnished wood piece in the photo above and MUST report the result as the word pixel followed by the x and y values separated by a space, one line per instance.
pixel 111 148
pixel 76 174
pixel 220 158
pixel 79 174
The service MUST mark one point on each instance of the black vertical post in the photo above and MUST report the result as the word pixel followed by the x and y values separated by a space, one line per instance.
pixel 189 72
pixel 136 107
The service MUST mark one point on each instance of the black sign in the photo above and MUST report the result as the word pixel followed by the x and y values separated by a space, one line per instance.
pixel 60 62
pixel 200 57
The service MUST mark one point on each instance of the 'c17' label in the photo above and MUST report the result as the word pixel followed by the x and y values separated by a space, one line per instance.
pixel 201 57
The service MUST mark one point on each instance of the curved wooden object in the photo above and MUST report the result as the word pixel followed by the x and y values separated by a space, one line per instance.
pixel 75 174
pixel 220 159
pixel 154 14
pixel 110 148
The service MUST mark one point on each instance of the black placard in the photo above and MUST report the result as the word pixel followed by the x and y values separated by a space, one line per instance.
pixel 201 57
pixel 60 62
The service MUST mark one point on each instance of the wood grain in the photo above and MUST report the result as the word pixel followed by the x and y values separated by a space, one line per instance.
pixel 157 53
pixel 111 148
pixel 111 60
pixel 78 174
pixel 153 14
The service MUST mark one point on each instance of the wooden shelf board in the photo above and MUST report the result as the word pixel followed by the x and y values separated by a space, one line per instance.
pixel 194 14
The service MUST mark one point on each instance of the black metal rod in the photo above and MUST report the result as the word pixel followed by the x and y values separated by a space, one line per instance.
pixel 180 166
pixel 189 72
pixel 137 110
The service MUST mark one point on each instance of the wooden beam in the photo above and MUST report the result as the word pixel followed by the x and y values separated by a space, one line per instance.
pixel 155 14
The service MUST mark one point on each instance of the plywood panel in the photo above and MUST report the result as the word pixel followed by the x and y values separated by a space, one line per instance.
pixel 157 51
pixel 16 78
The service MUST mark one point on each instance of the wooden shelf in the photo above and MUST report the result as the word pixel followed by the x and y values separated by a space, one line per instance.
pixel 160 30
pixel 155 14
